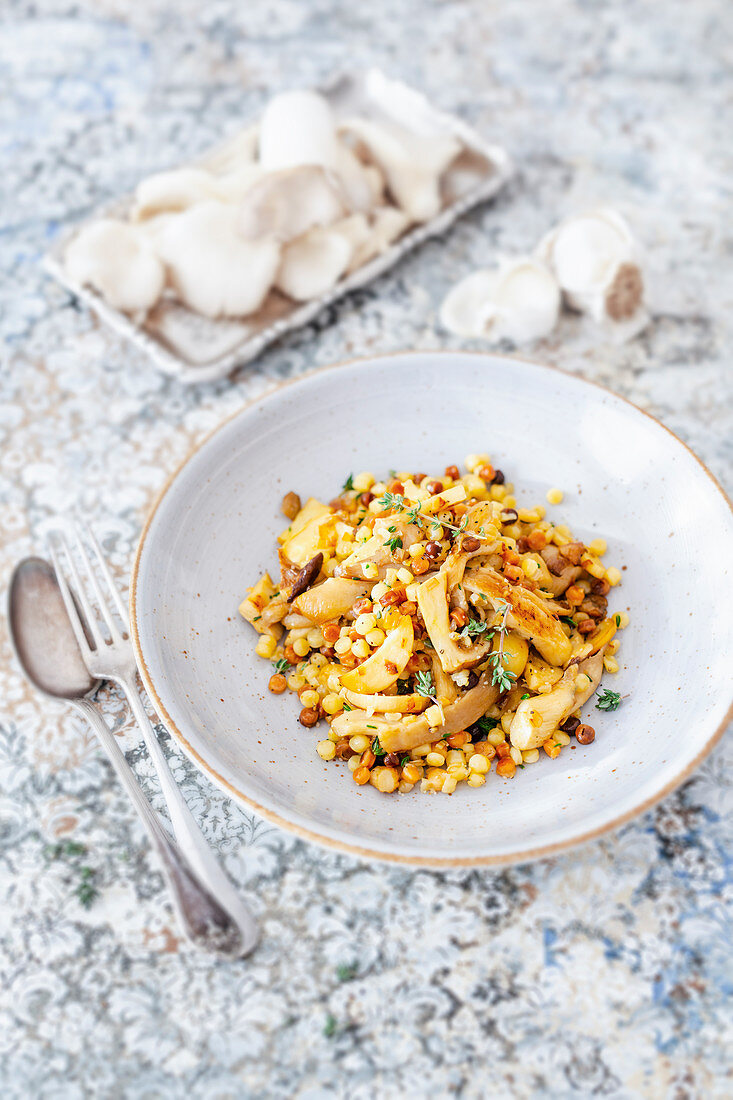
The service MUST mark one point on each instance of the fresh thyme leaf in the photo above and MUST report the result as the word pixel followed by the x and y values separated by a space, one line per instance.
pixel 394 543
pixel 405 760
pixel 475 627
pixel 424 685
pixel 346 971
pixel 618 621
pixel 485 724
pixel 329 1028
pixel 568 621
pixel 414 512
pixel 281 665
pixel 348 484
pixel 376 747
pixel 372 728
pixel 502 678
pixel 403 687
pixel 393 500
pixel 608 700
pixel 525 696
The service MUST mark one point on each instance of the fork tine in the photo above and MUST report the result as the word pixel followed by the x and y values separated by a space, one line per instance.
pixel 71 609
pixel 106 571
pixel 102 602
pixel 81 594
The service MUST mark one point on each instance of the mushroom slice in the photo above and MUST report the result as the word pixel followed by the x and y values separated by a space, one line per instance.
pixel 432 599
pixel 528 614
pixel 332 599
pixel 287 204
pixel 412 731
pixel 211 267
pixel 595 259
pixel 257 600
pixel 403 704
pixel 119 262
pixel 412 163
pixel 313 263
pixel 519 301
pixel 386 663
pixel 167 192
pixel 554 707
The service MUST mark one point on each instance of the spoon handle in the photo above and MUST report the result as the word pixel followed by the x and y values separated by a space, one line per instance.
pixel 191 841
pixel 204 922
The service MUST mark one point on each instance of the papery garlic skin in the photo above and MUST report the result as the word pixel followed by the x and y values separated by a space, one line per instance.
pixel 119 263
pixel 519 300
pixel 212 268
pixel 595 259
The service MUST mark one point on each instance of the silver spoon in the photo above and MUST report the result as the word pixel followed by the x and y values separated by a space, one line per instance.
pixel 48 653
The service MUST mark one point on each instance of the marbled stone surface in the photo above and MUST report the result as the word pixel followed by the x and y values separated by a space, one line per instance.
pixel 603 972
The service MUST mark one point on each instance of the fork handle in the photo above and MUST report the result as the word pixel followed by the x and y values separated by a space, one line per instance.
pixel 204 922
pixel 190 838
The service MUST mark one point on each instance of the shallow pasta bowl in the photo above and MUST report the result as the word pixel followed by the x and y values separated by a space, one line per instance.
pixel 627 479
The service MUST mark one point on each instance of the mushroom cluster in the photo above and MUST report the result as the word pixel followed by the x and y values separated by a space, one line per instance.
pixel 588 262
pixel 291 206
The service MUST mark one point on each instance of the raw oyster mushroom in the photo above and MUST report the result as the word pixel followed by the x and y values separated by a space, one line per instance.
pixel 167 192
pixel 119 262
pixel 313 263
pixel 519 301
pixel 298 128
pixel 211 266
pixel 595 259
pixel 288 203
pixel 413 163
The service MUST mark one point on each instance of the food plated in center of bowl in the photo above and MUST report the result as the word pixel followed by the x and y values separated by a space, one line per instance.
pixel 438 628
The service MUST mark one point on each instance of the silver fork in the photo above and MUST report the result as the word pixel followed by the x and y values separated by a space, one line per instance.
pixel 113 659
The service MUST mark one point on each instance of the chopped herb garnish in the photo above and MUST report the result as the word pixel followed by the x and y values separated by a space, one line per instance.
pixel 500 676
pixel 403 687
pixel 486 724
pixel 568 621
pixel 414 512
pixel 525 696
pixel 376 746
pixel 424 685
pixel 405 760
pixel 393 500
pixel 346 971
pixel 282 665
pixel 475 627
pixel 618 621
pixel 348 484
pixel 347 706
pixel 608 700
pixel 394 543
pixel 329 1028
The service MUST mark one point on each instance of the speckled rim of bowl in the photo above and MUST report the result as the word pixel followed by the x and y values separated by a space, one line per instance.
pixel 355 849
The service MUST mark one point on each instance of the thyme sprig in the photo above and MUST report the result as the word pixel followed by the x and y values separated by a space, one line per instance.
pixel 424 686
pixel 501 676
pixel 608 700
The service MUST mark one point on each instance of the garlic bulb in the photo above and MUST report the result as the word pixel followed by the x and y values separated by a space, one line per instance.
pixel 595 259
pixel 519 300
pixel 211 266
pixel 119 262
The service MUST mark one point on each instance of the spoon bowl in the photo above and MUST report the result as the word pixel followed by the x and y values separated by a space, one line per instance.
pixel 42 636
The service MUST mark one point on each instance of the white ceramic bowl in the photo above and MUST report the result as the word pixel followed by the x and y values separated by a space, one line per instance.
pixel 625 477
